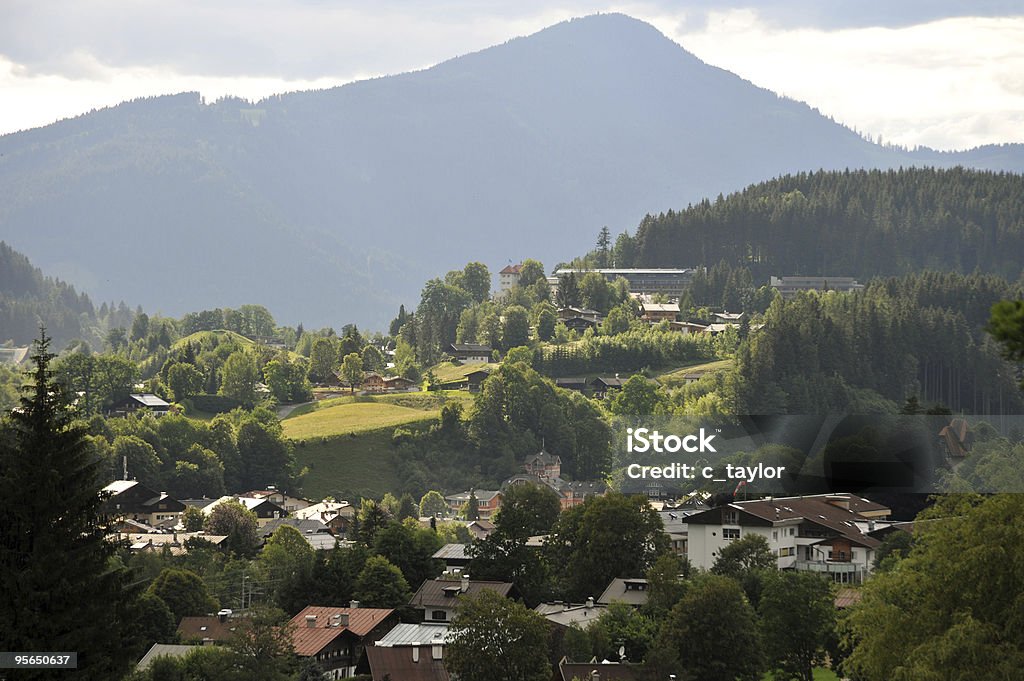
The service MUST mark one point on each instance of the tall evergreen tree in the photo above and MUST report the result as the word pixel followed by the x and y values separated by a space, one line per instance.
pixel 59 589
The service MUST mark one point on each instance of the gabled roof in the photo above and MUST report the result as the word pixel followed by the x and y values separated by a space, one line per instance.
pixel 614 382
pixel 309 526
pixel 543 458
pixel 660 307
pixel 150 400
pixel 120 486
pixel 444 592
pixel 452 552
pixel 824 510
pixel 209 627
pixel 566 614
pixel 632 591
pixel 308 641
pixel 511 269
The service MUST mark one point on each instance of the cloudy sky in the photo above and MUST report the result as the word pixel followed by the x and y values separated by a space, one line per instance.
pixel 943 73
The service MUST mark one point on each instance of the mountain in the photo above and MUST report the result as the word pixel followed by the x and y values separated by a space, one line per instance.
pixel 29 299
pixel 334 206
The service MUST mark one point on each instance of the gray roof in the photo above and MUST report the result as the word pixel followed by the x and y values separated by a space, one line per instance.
pixel 149 400
pixel 631 591
pixel 452 552
pixel 481 495
pixel 309 526
pixel 578 614
pixel 444 593
pixel 415 634
pixel 163 650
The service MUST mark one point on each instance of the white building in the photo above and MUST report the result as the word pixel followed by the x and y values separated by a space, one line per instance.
pixel 826 533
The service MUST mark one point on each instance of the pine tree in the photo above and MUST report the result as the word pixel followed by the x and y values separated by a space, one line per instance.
pixel 59 591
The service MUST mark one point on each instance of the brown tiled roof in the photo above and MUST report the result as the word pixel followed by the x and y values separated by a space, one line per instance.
pixel 210 627
pixel 309 640
pixel 846 597
pixel 396 664
pixel 511 269
pixel 432 592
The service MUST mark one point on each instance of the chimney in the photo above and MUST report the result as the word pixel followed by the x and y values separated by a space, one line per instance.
pixel 353 605
pixel 590 602
pixel 343 619
pixel 311 621
pixel 465 583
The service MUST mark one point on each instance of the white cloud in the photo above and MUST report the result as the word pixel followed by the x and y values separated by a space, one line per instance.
pixel 949 84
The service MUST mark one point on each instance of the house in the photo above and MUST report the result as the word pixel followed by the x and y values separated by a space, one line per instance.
pixel 475 380
pixel 544 468
pixel 316 533
pixel 670 282
pixel 630 591
pixel 602 385
pixel 577 384
pixel 567 614
pixel 264 509
pixel 470 353
pixel 580 324
pixel 566 313
pixel 543 465
pixel 825 533
pixel 209 629
pixel 410 652
pixel 658 312
pixel 136 401
pixel 727 317
pixel 687 327
pixel 336 515
pixel 488 501
pixel 174 543
pixel 453 555
pixel 480 529
pixel 285 501
pixel 133 500
pixel 409 663
pixel 337 637
pixel 373 382
pixel 789 287
pixel 508 277
pixel 398 384
pixel 437 598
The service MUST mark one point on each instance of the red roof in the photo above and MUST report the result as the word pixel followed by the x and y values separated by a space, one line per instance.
pixel 308 641
pixel 512 269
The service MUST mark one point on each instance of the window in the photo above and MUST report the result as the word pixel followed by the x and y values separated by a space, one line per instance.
pixel 792 531
pixel 439 615
pixel 775 535
pixel 730 533
pixel 787 551
pixel 730 517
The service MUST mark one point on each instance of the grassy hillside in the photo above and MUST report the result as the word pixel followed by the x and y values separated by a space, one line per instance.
pixel 351 418
pixel 674 377
pixel 350 466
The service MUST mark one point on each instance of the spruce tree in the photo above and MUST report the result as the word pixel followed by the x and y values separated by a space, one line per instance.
pixel 59 588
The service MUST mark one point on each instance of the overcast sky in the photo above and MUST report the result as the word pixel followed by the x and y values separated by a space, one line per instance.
pixel 935 72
